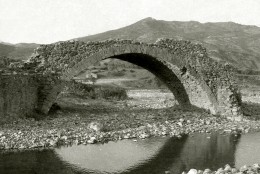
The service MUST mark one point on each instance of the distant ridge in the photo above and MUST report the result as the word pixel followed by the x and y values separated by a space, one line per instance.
pixel 225 41
pixel 20 51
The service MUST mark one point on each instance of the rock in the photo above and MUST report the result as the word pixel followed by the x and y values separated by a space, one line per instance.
pixel 250 172
pixel 227 168
pixel 243 168
pixel 76 142
pixel 167 172
pixel 144 135
pixel 127 136
pixel 64 138
pixel 256 166
pixel 234 170
pixel 200 172
pixel 207 171
pixel 52 143
pixel 182 120
pixel 193 171
pixel 220 171
pixel 95 126
pixel 92 140
pixel 208 122
pixel 180 124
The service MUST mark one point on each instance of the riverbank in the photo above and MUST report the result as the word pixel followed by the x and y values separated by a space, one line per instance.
pixel 86 121
pixel 88 127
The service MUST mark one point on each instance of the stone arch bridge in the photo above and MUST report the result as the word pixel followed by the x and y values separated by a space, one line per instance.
pixel 193 77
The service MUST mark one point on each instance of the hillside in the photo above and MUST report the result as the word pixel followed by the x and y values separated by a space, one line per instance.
pixel 225 41
pixel 21 51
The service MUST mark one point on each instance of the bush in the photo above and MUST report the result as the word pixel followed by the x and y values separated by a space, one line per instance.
pixel 96 92
pixel 111 93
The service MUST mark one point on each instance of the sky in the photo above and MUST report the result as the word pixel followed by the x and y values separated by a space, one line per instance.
pixel 48 21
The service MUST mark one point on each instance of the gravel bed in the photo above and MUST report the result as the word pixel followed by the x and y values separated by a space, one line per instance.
pixel 88 127
pixel 254 169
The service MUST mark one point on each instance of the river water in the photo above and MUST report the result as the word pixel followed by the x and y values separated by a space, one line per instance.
pixel 154 156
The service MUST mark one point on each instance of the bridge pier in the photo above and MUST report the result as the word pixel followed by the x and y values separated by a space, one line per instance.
pixel 48 92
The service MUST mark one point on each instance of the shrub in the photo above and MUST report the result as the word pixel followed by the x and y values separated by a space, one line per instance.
pixel 96 92
pixel 111 93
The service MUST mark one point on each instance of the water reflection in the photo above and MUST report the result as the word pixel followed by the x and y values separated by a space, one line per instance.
pixel 154 155
pixel 207 151
pixel 113 157
pixel 33 162
pixel 248 150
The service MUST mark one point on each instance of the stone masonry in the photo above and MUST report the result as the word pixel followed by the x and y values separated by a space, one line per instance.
pixel 18 95
pixel 193 77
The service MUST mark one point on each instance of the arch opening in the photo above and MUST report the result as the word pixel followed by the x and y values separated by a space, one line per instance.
pixel 186 88
pixel 161 71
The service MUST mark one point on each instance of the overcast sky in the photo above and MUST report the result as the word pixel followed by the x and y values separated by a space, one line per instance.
pixel 46 21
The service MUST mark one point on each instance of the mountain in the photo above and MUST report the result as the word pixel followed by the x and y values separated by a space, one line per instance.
pixel 21 51
pixel 225 41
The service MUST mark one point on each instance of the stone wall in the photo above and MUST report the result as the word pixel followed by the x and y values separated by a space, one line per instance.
pixel 18 95
pixel 23 94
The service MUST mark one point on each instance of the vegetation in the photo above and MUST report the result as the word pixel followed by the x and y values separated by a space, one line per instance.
pixel 7 63
pixel 95 92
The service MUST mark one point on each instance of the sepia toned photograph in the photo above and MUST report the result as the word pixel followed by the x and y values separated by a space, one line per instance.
pixel 129 87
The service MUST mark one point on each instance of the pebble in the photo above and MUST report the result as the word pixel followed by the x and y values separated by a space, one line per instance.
pixel 193 171
pixel 207 171
pixel 254 169
pixel 200 172
pixel 227 168
pixel 234 170
pixel 92 140
pixel 243 168
pixel 256 166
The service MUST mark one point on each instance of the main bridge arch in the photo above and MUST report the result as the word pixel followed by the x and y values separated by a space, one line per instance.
pixel 186 69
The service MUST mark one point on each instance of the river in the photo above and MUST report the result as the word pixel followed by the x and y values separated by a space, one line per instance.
pixel 154 156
